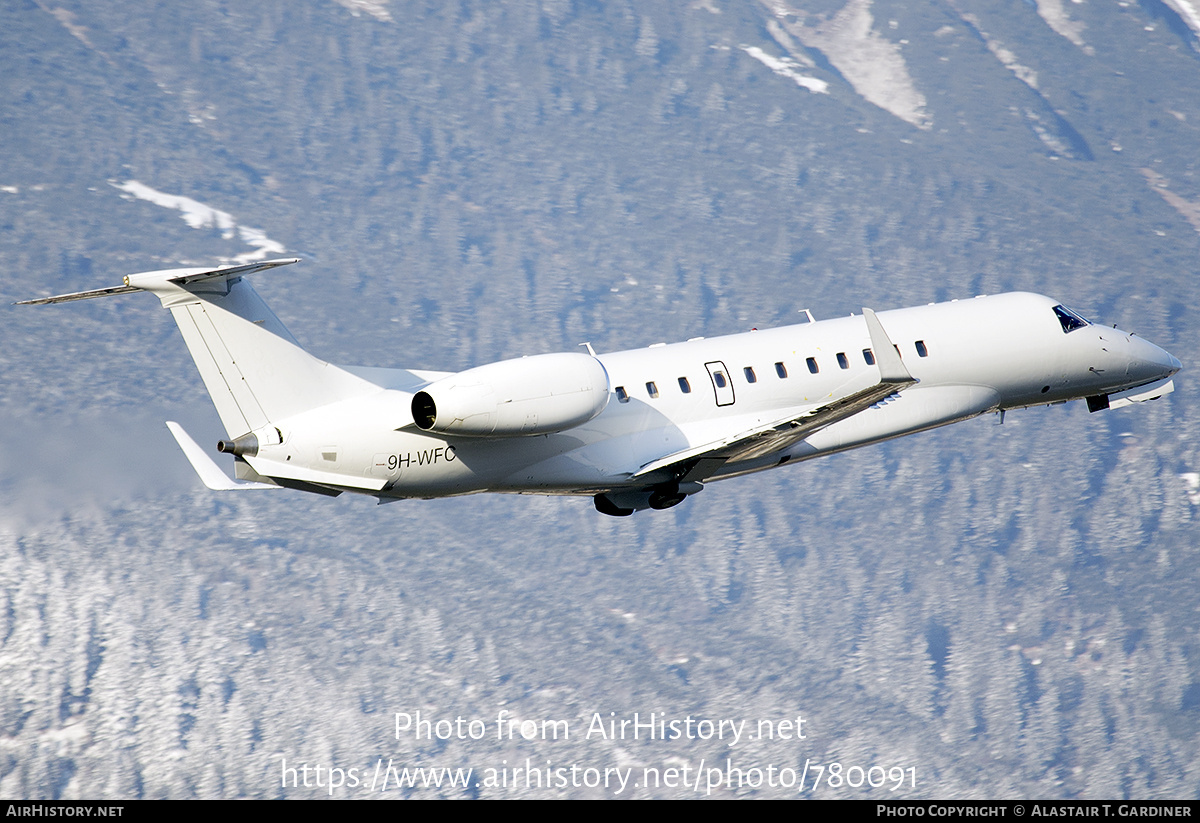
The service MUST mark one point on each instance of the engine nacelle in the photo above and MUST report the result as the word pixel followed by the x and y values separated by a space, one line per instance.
pixel 533 395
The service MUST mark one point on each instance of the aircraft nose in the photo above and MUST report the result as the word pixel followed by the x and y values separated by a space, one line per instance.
pixel 1175 364
pixel 1151 361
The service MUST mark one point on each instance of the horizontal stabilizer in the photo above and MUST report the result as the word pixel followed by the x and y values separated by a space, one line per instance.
pixel 79 295
pixel 186 277
pixel 233 271
pixel 210 473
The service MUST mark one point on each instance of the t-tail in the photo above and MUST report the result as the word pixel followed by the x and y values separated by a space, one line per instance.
pixel 254 369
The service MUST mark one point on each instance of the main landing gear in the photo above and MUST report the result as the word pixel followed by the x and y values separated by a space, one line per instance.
pixel 624 502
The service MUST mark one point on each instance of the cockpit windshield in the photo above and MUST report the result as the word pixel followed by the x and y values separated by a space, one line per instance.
pixel 1070 320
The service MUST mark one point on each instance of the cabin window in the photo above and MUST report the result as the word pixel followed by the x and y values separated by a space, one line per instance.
pixel 843 360
pixel 622 395
pixel 781 370
pixel 921 350
pixel 719 379
pixel 1069 320
pixel 685 386
pixel 869 357
pixel 750 376
pixel 652 389
pixel 812 364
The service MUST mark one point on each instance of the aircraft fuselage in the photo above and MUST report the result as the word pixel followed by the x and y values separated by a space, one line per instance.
pixel 969 357
pixel 635 429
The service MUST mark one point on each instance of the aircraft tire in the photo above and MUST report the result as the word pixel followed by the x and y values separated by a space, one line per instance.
pixel 665 500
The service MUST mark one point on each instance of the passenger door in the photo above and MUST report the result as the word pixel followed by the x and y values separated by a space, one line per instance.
pixel 722 383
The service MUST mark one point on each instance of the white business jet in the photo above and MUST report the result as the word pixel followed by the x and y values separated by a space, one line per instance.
pixel 635 429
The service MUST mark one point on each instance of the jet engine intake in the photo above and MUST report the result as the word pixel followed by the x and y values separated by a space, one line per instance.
pixel 533 395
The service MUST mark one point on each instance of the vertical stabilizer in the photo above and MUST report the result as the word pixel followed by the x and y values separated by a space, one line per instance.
pixel 253 368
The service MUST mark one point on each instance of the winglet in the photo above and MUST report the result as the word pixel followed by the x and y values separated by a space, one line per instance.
pixel 887 356
pixel 210 473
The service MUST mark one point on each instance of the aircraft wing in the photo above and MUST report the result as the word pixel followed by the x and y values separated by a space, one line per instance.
pixel 702 461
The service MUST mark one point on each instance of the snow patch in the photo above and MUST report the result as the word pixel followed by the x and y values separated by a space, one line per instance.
pixel 1189 210
pixel 1025 74
pixel 67 20
pixel 1046 134
pixel 375 8
pixel 1189 11
pixel 784 39
pixel 872 64
pixel 199 216
pixel 1056 17
pixel 787 67
pixel 1191 481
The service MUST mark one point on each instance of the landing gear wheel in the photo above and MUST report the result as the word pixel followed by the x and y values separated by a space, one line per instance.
pixel 665 500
